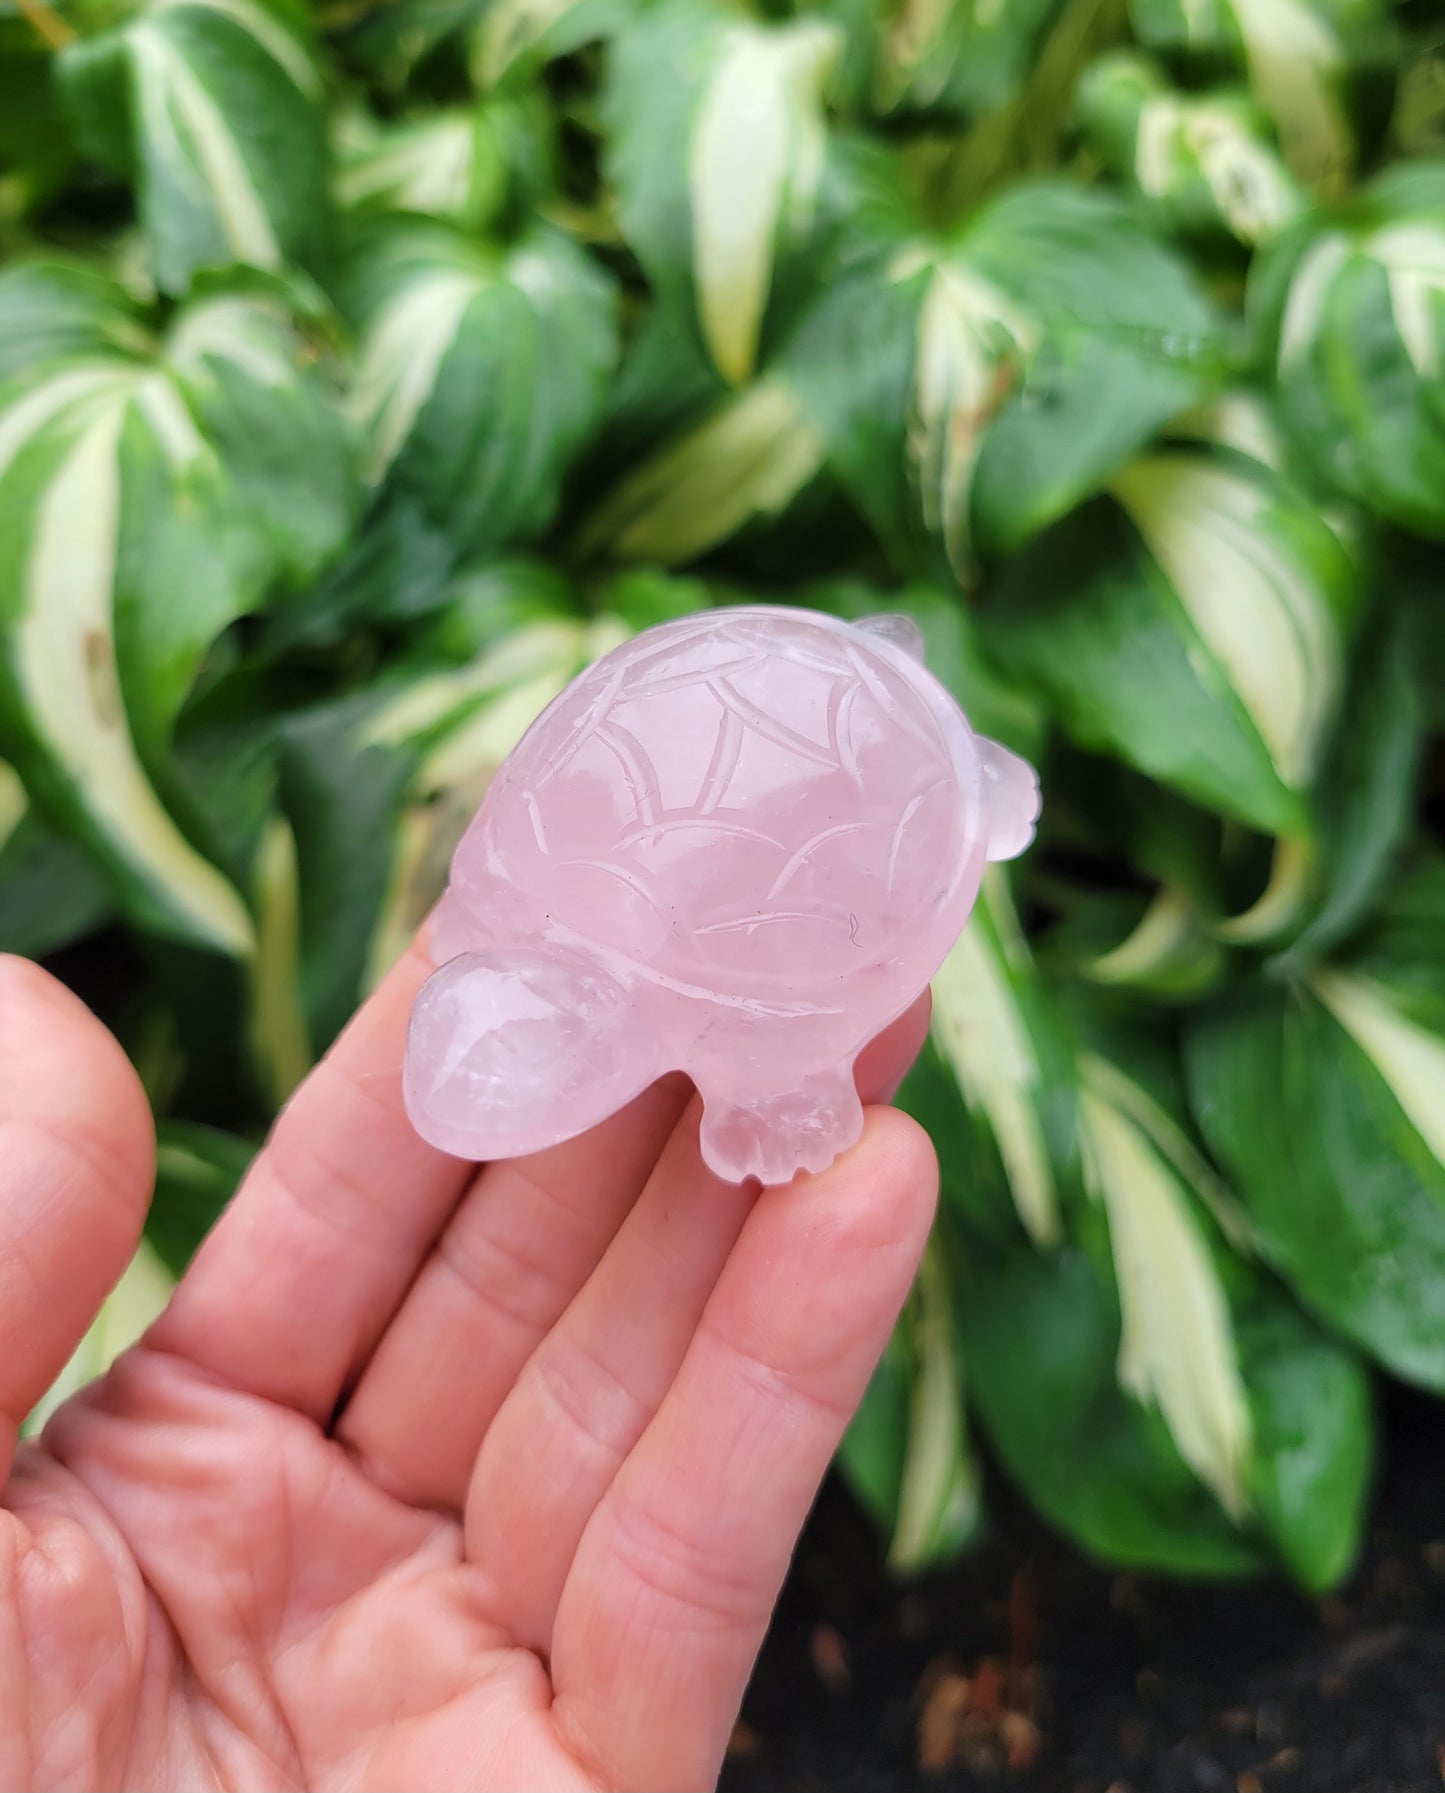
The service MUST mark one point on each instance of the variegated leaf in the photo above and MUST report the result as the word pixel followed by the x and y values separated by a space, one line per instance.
pixel 751 458
pixel 1201 162
pixel 378 788
pixel 1355 316
pixel 907 1453
pixel 956 56
pixel 716 153
pixel 1146 1382
pixel 989 1032
pixel 142 515
pixel 479 373
pixel 973 344
pixel 225 130
pixel 1302 59
pixel 755 158
pixel 459 163
pixel 1176 1347
pixel 1323 1101
pixel 1199 632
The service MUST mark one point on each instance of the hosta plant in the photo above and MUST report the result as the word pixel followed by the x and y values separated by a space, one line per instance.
pixel 367 371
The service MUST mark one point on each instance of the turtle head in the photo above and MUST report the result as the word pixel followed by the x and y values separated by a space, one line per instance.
pixel 1011 789
pixel 517 1048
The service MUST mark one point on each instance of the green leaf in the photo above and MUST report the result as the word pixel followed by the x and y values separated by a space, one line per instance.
pixel 1310 63
pixel 1183 1367
pixel 50 890
pixel 1127 340
pixel 1198 631
pixel 716 152
pixel 198 1170
pixel 970 389
pixel 35 148
pixel 1041 1339
pixel 378 787
pixel 479 375
pixel 995 1034
pixel 512 39
pixel 1203 164
pixel 1369 787
pixel 59 310
pixel 219 99
pixel 506 41
pixel 463 164
pixel 907 1452
pixel 1314 1438
pixel 1177 1348
pixel 1351 314
pixel 147 504
pixel 1322 1101
pixel 751 458
pixel 1162 947
pixel 954 58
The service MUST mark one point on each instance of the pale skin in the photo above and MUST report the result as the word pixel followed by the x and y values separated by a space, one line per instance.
pixel 430 1477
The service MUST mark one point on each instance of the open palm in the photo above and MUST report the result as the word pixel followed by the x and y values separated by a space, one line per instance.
pixel 429 1477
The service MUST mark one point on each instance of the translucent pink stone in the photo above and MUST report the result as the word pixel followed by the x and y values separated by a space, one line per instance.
pixel 738 846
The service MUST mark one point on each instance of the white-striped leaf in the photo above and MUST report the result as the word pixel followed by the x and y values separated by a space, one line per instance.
pixel 907 1453
pixel 986 1028
pixel 377 789
pixel 1202 163
pixel 1302 59
pixel 1177 1348
pixel 1147 1384
pixel 1169 952
pixel 1355 315
pixel 459 163
pixel 1198 631
pixel 973 345
pixel 221 100
pixel 1126 341
pixel 146 503
pixel 1324 1102
pixel 717 151
pixel 749 459
pixel 755 158
pixel 504 41
pixel 958 57
pixel 479 374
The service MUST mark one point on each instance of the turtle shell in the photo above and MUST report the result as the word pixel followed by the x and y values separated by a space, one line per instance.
pixel 748 795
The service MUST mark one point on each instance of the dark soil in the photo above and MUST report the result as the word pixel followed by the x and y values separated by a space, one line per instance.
pixel 1025 1669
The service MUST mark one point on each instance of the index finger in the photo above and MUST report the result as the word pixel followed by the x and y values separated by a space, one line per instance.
pixel 298 1279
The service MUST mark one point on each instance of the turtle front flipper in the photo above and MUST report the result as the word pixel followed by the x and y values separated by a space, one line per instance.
pixel 517 1048
pixel 1011 787
pixel 773 1137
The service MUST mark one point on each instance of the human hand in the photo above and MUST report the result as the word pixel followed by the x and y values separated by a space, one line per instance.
pixel 430 1476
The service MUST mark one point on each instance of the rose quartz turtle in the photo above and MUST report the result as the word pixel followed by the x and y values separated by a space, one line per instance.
pixel 738 846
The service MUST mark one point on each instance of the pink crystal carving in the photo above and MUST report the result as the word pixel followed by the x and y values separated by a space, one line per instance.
pixel 738 846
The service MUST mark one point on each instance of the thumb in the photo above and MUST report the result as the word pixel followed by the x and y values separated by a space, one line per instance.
pixel 77 1162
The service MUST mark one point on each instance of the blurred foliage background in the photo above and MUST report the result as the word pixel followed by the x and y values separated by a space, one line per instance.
pixel 366 370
